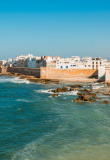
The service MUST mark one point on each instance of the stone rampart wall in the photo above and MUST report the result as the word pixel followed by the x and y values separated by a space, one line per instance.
pixel 45 72
pixel 25 71
pixel 67 73
pixel 107 75
pixel 3 69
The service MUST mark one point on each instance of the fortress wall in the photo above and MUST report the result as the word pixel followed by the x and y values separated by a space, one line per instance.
pixel 67 73
pixel 45 72
pixel 3 69
pixel 25 71
pixel 107 75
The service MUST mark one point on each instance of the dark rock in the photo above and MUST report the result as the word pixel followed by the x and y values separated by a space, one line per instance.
pixel 93 95
pixel 58 90
pixel 84 98
pixel 76 100
pixel 90 85
pixel 47 82
pixel 82 94
pixel 99 92
pixel 74 89
pixel 105 102
pixel 64 89
pixel 86 90
pixel 75 86
pixel 108 84
pixel 98 98
pixel 54 95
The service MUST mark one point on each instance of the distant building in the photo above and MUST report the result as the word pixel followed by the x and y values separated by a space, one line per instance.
pixel 68 63
pixel 3 63
pixel 21 61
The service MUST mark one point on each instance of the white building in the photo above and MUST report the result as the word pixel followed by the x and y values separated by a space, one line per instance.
pixel 3 63
pixel 24 61
pixel 68 63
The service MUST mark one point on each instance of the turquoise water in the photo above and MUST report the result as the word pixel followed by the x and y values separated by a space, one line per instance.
pixel 35 126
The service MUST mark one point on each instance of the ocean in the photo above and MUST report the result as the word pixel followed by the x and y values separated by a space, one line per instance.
pixel 35 126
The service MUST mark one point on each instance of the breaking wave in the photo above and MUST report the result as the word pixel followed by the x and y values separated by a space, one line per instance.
pixel 13 80
pixel 64 93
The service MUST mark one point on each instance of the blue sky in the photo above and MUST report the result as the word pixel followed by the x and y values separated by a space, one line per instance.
pixel 55 27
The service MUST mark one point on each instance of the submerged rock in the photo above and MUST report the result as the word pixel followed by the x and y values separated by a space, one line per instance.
pixel 82 94
pixel 98 98
pixel 93 95
pixel 103 92
pixel 76 86
pixel 105 102
pixel 54 95
pixel 108 84
pixel 74 89
pixel 86 90
pixel 64 89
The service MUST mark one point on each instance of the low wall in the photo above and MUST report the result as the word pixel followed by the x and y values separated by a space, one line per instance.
pixel 67 73
pixel 25 71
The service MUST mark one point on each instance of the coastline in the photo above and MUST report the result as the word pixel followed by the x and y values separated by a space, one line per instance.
pixel 63 80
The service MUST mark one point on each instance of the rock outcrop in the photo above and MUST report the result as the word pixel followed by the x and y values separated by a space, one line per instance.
pixel 105 102
pixel 84 98
pixel 54 95
pixel 64 89
pixel 75 86
pixel 108 84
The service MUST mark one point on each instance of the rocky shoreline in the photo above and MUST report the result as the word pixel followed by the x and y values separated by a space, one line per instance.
pixel 84 95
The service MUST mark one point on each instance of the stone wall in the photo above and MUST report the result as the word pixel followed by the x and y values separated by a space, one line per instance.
pixel 101 72
pixel 3 70
pixel 67 73
pixel 107 75
pixel 25 71
pixel 45 72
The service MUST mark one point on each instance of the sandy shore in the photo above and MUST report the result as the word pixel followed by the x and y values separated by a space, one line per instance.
pixel 78 79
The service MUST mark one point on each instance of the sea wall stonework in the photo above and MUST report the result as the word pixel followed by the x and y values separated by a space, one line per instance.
pixel 45 72
pixel 107 75
pixel 26 71
pixel 67 73
pixel 3 69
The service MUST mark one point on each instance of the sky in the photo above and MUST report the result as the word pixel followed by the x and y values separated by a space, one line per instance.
pixel 55 27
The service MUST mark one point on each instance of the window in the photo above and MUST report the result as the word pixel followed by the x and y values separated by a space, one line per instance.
pixel 61 67
pixel 66 66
